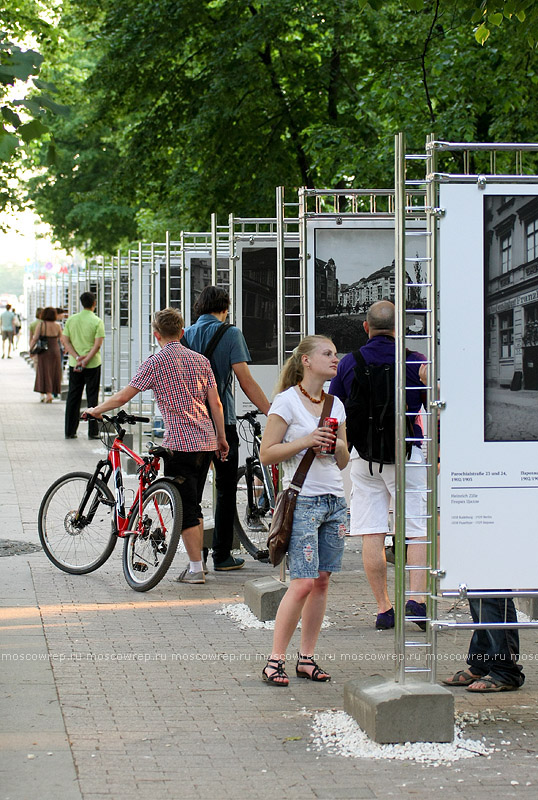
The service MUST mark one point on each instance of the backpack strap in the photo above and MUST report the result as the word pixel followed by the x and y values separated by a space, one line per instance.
pixel 362 365
pixel 215 339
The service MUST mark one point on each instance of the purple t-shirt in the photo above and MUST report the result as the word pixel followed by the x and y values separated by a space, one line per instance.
pixel 381 350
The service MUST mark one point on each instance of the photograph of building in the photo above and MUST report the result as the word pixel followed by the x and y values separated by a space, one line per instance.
pixel 511 316
pixel 353 269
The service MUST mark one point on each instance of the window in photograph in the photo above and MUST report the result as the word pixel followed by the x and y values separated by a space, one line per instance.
pixel 506 325
pixel 506 253
pixel 532 239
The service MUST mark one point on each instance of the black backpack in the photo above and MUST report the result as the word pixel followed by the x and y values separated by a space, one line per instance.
pixel 371 413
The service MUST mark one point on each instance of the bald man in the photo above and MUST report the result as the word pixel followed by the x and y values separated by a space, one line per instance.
pixel 372 494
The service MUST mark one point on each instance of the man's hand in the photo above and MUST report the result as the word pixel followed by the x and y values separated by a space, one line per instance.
pixel 90 412
pixel 223 448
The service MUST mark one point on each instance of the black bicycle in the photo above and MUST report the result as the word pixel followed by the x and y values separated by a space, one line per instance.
pixel 257 486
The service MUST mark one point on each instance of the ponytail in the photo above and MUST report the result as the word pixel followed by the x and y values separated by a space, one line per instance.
pixel 293 370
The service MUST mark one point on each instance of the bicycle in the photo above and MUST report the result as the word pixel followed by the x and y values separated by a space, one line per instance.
pixel 80 520
pixel 257 487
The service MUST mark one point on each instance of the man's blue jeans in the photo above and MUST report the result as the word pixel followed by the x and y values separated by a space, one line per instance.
pixel 495 651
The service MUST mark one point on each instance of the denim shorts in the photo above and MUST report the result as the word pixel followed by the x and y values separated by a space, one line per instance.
pixel 317 537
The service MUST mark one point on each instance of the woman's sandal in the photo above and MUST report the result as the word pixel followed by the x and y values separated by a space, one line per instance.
pixel 308 661
pixel 278 677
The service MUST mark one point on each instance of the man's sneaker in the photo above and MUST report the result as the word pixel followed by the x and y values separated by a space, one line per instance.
pixel 414 609
pixel 230 563
pixel 190 577
pixel 385 620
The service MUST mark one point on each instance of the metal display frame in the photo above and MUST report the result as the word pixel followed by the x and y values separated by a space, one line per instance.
pixel 467 155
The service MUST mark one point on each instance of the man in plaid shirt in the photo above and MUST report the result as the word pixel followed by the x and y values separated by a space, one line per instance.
pixel 182 381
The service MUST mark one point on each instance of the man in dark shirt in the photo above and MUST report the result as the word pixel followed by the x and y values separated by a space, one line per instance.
pixel 372 494
pixel 229 358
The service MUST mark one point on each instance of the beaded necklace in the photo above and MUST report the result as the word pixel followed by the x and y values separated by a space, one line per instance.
pixel 312 399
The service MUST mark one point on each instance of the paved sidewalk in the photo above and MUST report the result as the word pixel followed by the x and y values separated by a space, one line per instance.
pixel 107 693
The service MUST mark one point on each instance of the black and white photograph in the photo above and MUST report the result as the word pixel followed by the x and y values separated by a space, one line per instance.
pixel 259 303
pixel 354 267
pixel 511 318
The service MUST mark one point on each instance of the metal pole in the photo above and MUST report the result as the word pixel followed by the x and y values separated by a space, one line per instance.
pixel 281 338
pixel 432 418
pixel 400 379
pixel 167 267
pixel 140 339
pixel 214 249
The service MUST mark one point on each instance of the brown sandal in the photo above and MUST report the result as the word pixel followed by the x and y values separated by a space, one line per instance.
pixel 492 685
pixel 463 677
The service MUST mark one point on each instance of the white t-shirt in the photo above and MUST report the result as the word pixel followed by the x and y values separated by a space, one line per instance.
pixel 324 475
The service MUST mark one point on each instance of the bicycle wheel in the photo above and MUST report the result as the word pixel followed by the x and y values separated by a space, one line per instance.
pixel 252 517
pixel 76 545
pixel 148 551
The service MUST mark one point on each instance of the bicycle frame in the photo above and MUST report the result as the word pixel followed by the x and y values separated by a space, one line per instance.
pixel 270 479
pixel 148 468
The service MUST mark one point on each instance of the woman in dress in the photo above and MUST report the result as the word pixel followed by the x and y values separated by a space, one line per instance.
pixel 48 379
pixel 319 522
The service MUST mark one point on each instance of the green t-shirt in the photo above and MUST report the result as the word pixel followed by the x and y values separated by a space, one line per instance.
pixel 33 325
pixel 82 330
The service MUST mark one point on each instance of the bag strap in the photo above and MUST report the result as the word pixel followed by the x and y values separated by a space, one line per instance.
pixel 215 339
pixel 301 472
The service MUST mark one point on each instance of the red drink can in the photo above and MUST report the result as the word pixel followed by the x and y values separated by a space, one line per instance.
pixel 332 423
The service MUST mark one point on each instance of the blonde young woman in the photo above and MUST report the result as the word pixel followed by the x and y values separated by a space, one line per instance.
pixel 317 539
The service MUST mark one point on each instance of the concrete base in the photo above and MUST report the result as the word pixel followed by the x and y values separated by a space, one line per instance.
pixel 392 713
pixel 263 596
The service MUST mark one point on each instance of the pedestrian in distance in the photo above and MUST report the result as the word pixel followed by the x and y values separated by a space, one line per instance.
pixel 31 330
pixel 17 325
pixel 7 321
pixel 82 339
pixel 319 523
pixel 182 382
pixel 229 357
pixel 48 378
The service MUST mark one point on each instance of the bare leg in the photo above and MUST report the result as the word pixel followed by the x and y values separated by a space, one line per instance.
pixel 416 557
pixel 192 538
pixel 312 618
pixel 289 613
pixel 375 566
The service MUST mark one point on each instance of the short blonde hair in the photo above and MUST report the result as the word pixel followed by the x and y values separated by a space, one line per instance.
pixel 168 323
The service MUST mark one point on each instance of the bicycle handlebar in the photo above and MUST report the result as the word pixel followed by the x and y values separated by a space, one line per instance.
pixel 121 418
pixel 250 416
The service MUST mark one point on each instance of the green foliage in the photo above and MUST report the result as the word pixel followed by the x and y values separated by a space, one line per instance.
pixel 182 107
pixel 20 64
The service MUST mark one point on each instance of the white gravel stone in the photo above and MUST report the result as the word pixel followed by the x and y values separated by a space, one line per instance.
pixel 340 734
pixel 243 616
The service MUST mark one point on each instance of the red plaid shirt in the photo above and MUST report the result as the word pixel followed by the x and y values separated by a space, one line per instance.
pixel 179 379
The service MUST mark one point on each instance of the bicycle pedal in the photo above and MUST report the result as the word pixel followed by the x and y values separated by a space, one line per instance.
pixel 139 566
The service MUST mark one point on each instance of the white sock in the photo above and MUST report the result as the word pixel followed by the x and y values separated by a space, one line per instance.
pixel 195 566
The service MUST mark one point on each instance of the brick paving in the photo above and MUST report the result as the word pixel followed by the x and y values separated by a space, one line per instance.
pixel 107 692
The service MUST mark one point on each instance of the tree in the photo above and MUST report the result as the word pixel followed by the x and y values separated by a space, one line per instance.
pixel 182 108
